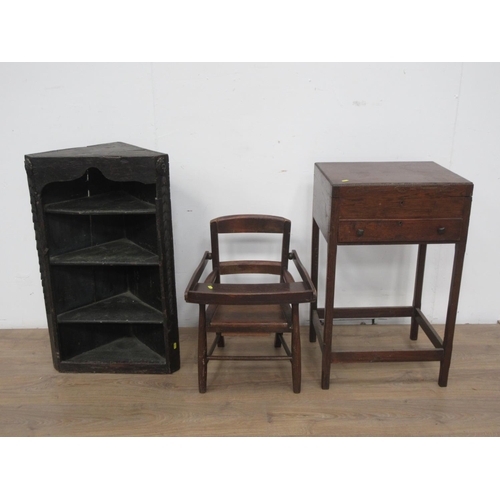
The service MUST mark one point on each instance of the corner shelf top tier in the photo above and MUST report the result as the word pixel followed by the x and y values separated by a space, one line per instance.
pixel 117 161
pixel 109 150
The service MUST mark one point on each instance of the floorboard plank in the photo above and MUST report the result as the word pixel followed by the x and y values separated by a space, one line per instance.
pixel 256 399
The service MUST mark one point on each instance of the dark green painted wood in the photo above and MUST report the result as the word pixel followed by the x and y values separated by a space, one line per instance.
pixel 122 252
pixel 103 227
pixel 111 203
pixel 123 308
pixel 123 350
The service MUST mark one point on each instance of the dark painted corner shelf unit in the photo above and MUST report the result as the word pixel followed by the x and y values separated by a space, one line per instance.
pixel 103 228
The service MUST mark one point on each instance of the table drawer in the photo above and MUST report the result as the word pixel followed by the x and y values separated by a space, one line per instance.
pixel 399 231
pixel 384 203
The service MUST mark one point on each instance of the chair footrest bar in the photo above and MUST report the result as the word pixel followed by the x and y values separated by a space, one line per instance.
pixel 378 356
pixel 250 358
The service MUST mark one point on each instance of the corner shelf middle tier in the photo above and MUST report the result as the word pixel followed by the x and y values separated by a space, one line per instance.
pixel 110 203
pixel 121 252
pixel 121 308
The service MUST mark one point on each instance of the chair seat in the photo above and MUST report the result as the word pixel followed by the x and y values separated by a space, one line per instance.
pixel 266 318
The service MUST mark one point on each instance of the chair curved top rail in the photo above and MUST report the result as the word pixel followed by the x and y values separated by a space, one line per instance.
pixel 251 224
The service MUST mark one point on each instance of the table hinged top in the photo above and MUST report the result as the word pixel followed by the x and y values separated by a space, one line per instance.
pixel 405 177
pixel 390 202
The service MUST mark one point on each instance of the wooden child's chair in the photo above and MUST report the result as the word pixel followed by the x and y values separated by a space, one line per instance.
pixel 249 308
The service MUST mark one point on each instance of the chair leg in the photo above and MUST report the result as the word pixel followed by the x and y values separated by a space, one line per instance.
pixel 296 358
pixel 202 351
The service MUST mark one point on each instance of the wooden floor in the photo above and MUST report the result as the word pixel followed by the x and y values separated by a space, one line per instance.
pixel 256 399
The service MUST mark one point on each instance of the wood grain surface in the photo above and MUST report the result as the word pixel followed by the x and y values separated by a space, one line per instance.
pixel 254 399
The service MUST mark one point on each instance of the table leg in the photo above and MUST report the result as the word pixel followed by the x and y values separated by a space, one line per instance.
pixel 328 327
pixel 451 314
pixel 314 277
pixel 296 356
pixel 202 350
pixel 417 294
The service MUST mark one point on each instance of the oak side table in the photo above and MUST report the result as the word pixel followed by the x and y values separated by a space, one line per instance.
pixel 375 203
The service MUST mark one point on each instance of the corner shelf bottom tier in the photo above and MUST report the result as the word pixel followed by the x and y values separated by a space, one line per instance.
pixel 124 355
pixel 122 325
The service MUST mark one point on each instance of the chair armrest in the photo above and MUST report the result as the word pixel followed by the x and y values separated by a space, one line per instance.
pixel 197 274
pixel 302 271
pixel 286 292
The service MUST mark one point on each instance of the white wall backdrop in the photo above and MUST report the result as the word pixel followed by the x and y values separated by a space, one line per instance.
pixel 243 138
